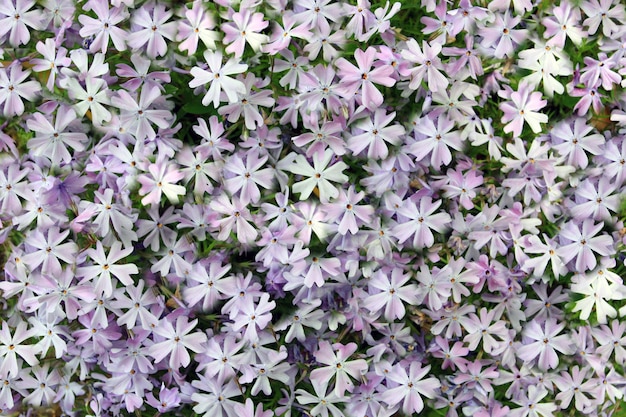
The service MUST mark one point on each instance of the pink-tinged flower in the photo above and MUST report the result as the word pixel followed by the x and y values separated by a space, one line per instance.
pixel 595 201
pixel 245 177
pixel 543 342
pixel 48 249
pixel 477 376
pixel 15 16
pixel 428 66
pixel 599 73
pixel 336 357
pixel 321 137
pixel 213 140
pixel 50 141
pixel 163 180
pixel 375 133
pixel 197 27
pixel 582 243
pixel 283 35
pixel 248 104
pixel 435 140
pixel 136 305
pixel 531 405
pixel 154 30
pixel 173 257
pixel 13 186
pixel 168 399
pixel 209 288
pixel 408 388
pixel 480 329
pixel 179 339
pixel 453 357
pixel 352 78
pixel 502 35
pixel 389 290
pixel 12 346
pixel 468 57
pixel 137 117
pixel 522 108
pixel 602 12
pixel 435 287
pixel 462 186
pixel 346 210
pixel 319 176
pixel 235 218
pixel 573 385
pixel 565 23
pixel 13 89
pixel 105 266
pixel 217 75
pixel 420 221
pixel 254 317
pixel 244 29
pixel 573 141
pixel 104 27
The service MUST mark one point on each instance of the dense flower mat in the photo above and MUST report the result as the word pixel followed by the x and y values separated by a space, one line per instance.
pixel 312 207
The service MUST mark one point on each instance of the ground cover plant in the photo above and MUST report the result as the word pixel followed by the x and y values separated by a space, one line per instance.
pixel 312 208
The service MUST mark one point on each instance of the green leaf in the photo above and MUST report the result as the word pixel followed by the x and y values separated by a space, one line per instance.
pixel 196 107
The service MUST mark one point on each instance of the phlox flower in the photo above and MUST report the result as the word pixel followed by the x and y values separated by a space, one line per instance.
pixel 140 75
pixel 548 254
pixel 336 358
pixel 13 89
pixel 198 26
pixel 602 12
pixel 389 289
pixel 453 357
pixel 376 132
pixel 564 23
pixel 217 75
pixel 51 141
pixel 283 35
pixel 324 401
pixel 322 136
pixel 574 140
pixel 154 30
pixel 48 249
pixel 105 266
pixel 168 399
pixel 595 201
pixel 137 116
pixel 428 65
pixel 409 387
pixel 136 301
pixel 91 98
pixel 163 180
pixel 462 186
pixel 244 29
pixel 544 341
pixel 12 346
pixel 245 177
pixel 315 14
pixel 436 140
pixel 213 398
pixel 363 77
pixel 572 386
pixel 248 103
pixel 15 16
pixel 319 176
pixel 254 316
pixel 104 27
pixel 235 218
pixel 178 340
pixel 581 243
pixel 502 35
pixel 53 60
pixel 420 220
pixel 531 405
pixel 348 212
pixel 522 108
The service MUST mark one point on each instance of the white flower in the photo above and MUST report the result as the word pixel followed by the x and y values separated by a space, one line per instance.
pixel 320 176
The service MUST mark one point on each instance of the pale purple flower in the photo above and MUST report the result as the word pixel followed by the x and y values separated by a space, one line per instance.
pixel 93 97
pixel 420 220
pixel 12 346
pixel 531 405
pixel 52 142
pixel 213 398
pixel 574 141
pixel 244 29
pixel 179 339
pixel 244 178
pixel 573 387
pixel 409 387
pixel 168 399
pixel 338 365
pixel 137 117
pixel 436 140
pixel 346 210
pixel 13 89
pixel 248 103
pixel 254 316
pixel 523 108
pixel 502 35
pixel 136 301
pixel 163 180
pixel 428 66
pixel 235 218
pixel 324 401
pixel 48 249
pixel 104 27
pixel 155 29
pixel 544 341
pixel 376 133
pixel 390 290
pixel 363 77
pixel 105 267
pixel 209 288
pixel 581 243
pixel 323 135
pixel 602 12
pixel 564 24
pixel 197 27
pixel 15 16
